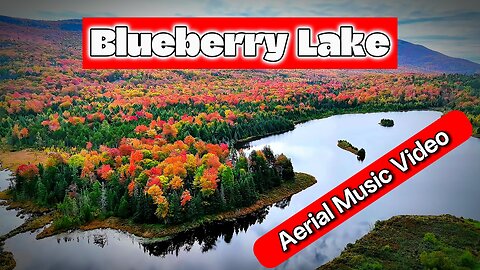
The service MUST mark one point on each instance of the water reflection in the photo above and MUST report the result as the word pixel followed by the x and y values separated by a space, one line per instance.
pixel 313 149
pixel 5 179
pixel 100 239
pixel 9 219
pixel 205 236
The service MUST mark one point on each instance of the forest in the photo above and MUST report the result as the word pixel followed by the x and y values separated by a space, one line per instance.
pixel 159 145
pixel 150 183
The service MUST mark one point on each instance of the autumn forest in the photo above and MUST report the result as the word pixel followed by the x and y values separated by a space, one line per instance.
pixel 162 146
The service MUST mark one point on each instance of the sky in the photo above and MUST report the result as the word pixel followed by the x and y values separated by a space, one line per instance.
pixel 451 27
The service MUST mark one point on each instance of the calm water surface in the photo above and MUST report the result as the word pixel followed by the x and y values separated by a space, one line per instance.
pixel 451 185
pixel 8 218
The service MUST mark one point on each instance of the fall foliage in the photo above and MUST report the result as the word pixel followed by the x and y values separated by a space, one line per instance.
pixel 158 145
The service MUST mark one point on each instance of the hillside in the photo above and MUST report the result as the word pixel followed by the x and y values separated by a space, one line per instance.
pixel 411 57
pixel 418 57
pixel 414 242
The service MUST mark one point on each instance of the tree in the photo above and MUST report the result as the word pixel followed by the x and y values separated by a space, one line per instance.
pixel 258 166
pixel 284 167
pixel 247 188
pixel 123 208
pixel 60 187
pixel 269 156
pixel 41 193
pixel 242 162
pixel 87 209
pixel 174 209
pixel 361 154
pixel 230 188
pixel 96 194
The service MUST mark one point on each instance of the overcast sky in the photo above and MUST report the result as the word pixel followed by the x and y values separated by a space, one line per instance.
pixel 449 26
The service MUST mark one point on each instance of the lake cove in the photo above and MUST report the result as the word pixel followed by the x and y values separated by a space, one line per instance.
pixel 312 148
pixel 434 191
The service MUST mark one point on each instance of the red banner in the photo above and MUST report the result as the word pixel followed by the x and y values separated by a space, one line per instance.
pixel 362 189
pixel 240 43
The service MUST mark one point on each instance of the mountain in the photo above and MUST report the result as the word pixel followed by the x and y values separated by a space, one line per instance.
pixel 411 57
pixel 421 58
pixel 67 25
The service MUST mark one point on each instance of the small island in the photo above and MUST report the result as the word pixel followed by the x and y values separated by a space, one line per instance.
pixel 414 242
pixel 345 145
pixel 386 122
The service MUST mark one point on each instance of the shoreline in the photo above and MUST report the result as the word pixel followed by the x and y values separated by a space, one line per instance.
pixel 136 229
pixel 46 216
pixel 39 218
pixel 405 241
pixel 244 143
pixel 239 144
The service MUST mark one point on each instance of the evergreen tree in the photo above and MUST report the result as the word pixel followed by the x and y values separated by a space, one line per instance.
pixel 96 194
pixel 123 208
pixel 41 193
pixel 174 211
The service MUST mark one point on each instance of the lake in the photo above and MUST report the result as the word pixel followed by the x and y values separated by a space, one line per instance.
pixel 449 186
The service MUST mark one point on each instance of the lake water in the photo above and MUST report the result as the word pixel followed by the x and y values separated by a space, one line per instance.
pixel 449 186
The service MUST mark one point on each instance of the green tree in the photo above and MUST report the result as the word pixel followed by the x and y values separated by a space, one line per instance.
pixel 284 167
pixel 96 194
pixel 123 208
pixel 41 193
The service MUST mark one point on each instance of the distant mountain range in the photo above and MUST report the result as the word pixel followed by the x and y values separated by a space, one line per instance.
pixel 423 59
pixel 411 57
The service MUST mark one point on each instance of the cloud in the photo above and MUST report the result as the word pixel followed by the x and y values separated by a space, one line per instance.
pixel 468 16
pixel 436 37
pixel 59 15
pixel 450 27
